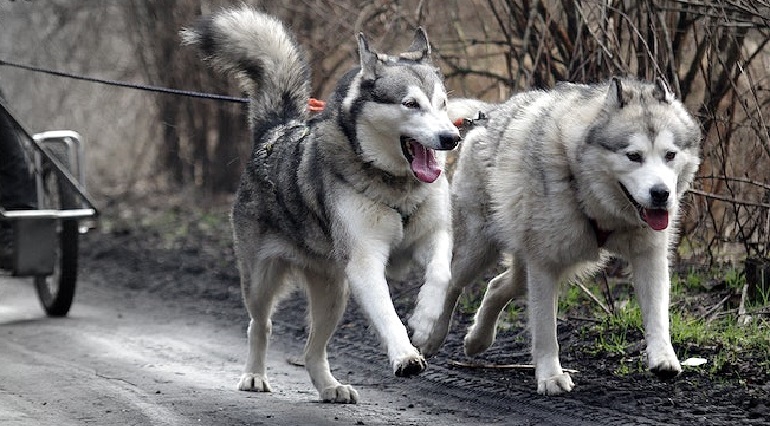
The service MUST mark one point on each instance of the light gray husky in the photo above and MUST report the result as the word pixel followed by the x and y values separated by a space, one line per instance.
pixel 330 201
pixel 558 180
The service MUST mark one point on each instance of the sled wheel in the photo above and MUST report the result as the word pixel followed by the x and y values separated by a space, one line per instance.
pixel 56 291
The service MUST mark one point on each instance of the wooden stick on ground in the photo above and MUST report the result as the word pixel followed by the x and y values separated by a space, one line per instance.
pixel 461 364
pixel 708 315
pixel 594 298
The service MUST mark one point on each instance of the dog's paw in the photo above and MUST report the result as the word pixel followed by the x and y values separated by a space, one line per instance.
pixel 555 385
pixel 478 340
pixel 339 394
pixel 253 383
pixel 409 366
pixel 665 365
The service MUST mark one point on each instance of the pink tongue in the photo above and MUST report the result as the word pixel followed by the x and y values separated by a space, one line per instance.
pixel 656 218
pixel 424 163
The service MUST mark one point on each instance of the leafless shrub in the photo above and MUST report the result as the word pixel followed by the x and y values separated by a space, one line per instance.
pixel 714 54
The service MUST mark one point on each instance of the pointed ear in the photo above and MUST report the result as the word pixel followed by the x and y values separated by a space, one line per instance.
pixel 368 59
pixel 661 91
pixel 419 51
pixel 615 93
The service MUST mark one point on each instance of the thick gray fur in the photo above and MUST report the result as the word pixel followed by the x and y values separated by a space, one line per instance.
pixel 329 201
pixel 557 181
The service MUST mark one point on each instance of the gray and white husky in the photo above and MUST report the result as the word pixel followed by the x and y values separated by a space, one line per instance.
pixel 558 180
pixel 331 201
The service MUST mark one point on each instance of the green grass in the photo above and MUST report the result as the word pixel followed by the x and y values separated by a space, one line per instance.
pixel 695 281
pixel 510 317
pixel 723 342
pixel 720 339
pixel 692 281
pixel 470 301
pixel 571 297
pixel 734 278
pixel 616 333
pixel 628 366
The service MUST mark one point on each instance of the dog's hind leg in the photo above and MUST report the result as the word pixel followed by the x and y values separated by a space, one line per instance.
pixel 510 284
pixel 327 303
pixel 542 286
pixel 260 283
pixel 651 284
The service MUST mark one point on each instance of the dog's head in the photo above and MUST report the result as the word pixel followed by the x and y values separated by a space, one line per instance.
pixel 650 146
pixel 398 108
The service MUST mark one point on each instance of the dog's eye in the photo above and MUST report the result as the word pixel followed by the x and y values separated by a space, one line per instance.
pixel 442 105
pixel 635 157
pixel 670 155
pixel 411 104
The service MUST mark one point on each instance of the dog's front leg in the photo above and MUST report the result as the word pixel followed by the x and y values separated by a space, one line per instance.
pixel 430 300
pixel 366 275
pixel 542 283
pixel 652 283
pixel 471 253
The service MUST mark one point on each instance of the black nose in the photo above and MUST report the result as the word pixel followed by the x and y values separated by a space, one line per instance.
pixel 449 140
pixel 659 195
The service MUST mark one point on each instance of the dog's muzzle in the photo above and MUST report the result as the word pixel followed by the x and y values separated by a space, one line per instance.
pixel 659 196
pixel 657 216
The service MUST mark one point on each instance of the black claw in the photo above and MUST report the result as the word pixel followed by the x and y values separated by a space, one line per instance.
pixel 664 374
pixel 412 368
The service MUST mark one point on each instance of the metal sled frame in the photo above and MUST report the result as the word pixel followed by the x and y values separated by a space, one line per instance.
pixel 35 231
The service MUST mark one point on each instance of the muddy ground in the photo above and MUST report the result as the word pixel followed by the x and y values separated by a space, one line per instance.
pixel 181 252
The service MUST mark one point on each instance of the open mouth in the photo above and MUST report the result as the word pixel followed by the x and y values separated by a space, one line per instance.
pixel 421 160
pixel 656 218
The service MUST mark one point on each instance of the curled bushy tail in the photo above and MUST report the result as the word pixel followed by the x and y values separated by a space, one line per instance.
pixel 262 54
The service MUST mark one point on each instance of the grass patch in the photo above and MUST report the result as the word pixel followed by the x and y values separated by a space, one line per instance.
pixel 618 336
pixel 511 317
pixel 469 301
pixel 691 281
pixel 723 342
pixel 728 346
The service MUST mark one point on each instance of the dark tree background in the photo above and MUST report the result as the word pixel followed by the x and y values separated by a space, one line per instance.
pixel 714 54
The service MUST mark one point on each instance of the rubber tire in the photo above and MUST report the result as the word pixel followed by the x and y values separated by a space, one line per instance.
pixel 57 303
pixel 57 298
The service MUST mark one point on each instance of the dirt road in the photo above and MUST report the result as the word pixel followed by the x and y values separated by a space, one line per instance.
pixel 124 357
